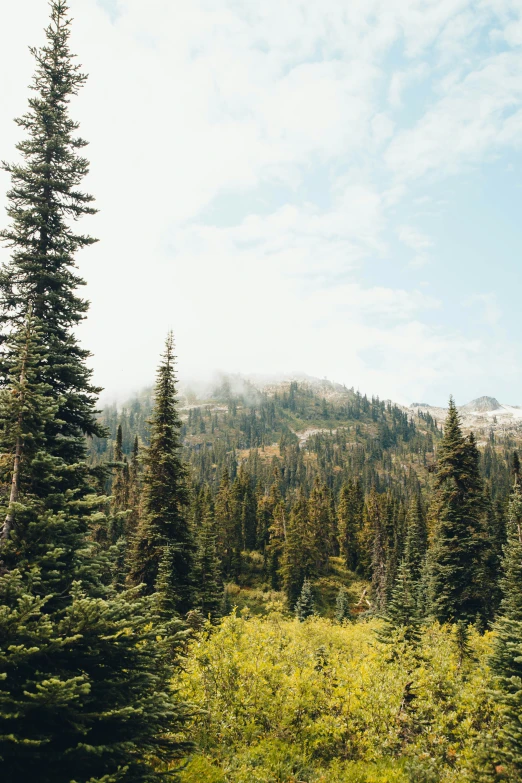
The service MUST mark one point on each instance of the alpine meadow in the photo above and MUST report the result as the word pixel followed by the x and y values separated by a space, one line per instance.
pixel 246 578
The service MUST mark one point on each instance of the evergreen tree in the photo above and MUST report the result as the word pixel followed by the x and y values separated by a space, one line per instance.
pixel 377 511
pixel 342 605
pixel 305 606
pixel 506 659
pixel 228 522
pixel 321 527
pixel 416 543
pixel 460 547
pixel 164 521
pixel 85 693
pixel 85 690
pixel 120 484
pixel 349 521
pixel 209 584
pixel 41 276
pixel 25 410
pixel 134 490
pixel 226 605
pixel 402 613
pixel 297 562
pixel 276 546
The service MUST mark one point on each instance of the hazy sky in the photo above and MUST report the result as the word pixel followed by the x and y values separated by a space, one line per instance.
pixel 326 187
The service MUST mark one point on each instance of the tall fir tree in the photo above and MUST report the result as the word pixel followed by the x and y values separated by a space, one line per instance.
pixel 506 659
pixel 44 202
pixel 349 521
pixel 38 285
pixel 320 523
pixel 85 689
pixel 134 490
pixel 298 560
pixel 120 483
pixel 401 616
pixel 458 555
pixel 416 543
pixel 305 606
pixel 342 605
pixel 208 579
pixel 25 409
pixel 228 524
pixel 164 532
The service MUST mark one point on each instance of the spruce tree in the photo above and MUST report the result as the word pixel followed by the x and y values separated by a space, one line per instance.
pixel 208 580
pixel 457 572
pixel 275 548
pixel 164 522
pixel 305 606
pixel 120 484
pixel 416 543
pixel 228 522
pixel 506 659
pixel 25 409
pixel 342 605
pixel 349 521
pixel 402 613
pixel 85 683
pixel 377 513
pixel 321 526
pixel 44 202
pixel 85 693
pixel 297 562
pixel 134 490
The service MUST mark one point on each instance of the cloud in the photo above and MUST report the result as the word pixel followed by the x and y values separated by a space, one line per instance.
pixel 401 80
pixel 473 118
pixel 418 242
pixel 253 165
pixel 491 312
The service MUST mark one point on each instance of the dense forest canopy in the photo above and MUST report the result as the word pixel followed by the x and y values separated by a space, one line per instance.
pixel 274 584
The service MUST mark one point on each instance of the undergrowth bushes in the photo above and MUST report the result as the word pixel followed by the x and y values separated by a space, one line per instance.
pixel 285 702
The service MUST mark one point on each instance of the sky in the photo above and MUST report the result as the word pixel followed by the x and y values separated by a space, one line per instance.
pixel 326 188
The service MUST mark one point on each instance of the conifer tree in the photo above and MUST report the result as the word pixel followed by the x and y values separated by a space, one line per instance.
pixel 349 521
pixel 44 201
pixel 298 557
pixel 342 605
pixel 120 487
pixel 85 693
pixel 228 521
pixel 208 580
pixel 402 613
pixel 305 606
pixel 276 546
pixel 134 490
pixel 460 547
pixel 506 659
pixel 164 521
pixel 25 410
pixel 85 677
pixel 320 525
pixel 377 513
pixel 416 543
pixel 366 534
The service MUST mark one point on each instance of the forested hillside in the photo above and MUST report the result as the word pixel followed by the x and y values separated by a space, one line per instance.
pixel 285 584
pixel 308 455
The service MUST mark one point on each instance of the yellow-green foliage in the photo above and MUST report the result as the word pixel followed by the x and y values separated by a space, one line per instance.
pixel 286 701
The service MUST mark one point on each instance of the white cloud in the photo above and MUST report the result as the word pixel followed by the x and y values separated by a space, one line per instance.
pixel 418 242
pixel 294 104
pixel 469 121
pixel 491 313
pixel 401 80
